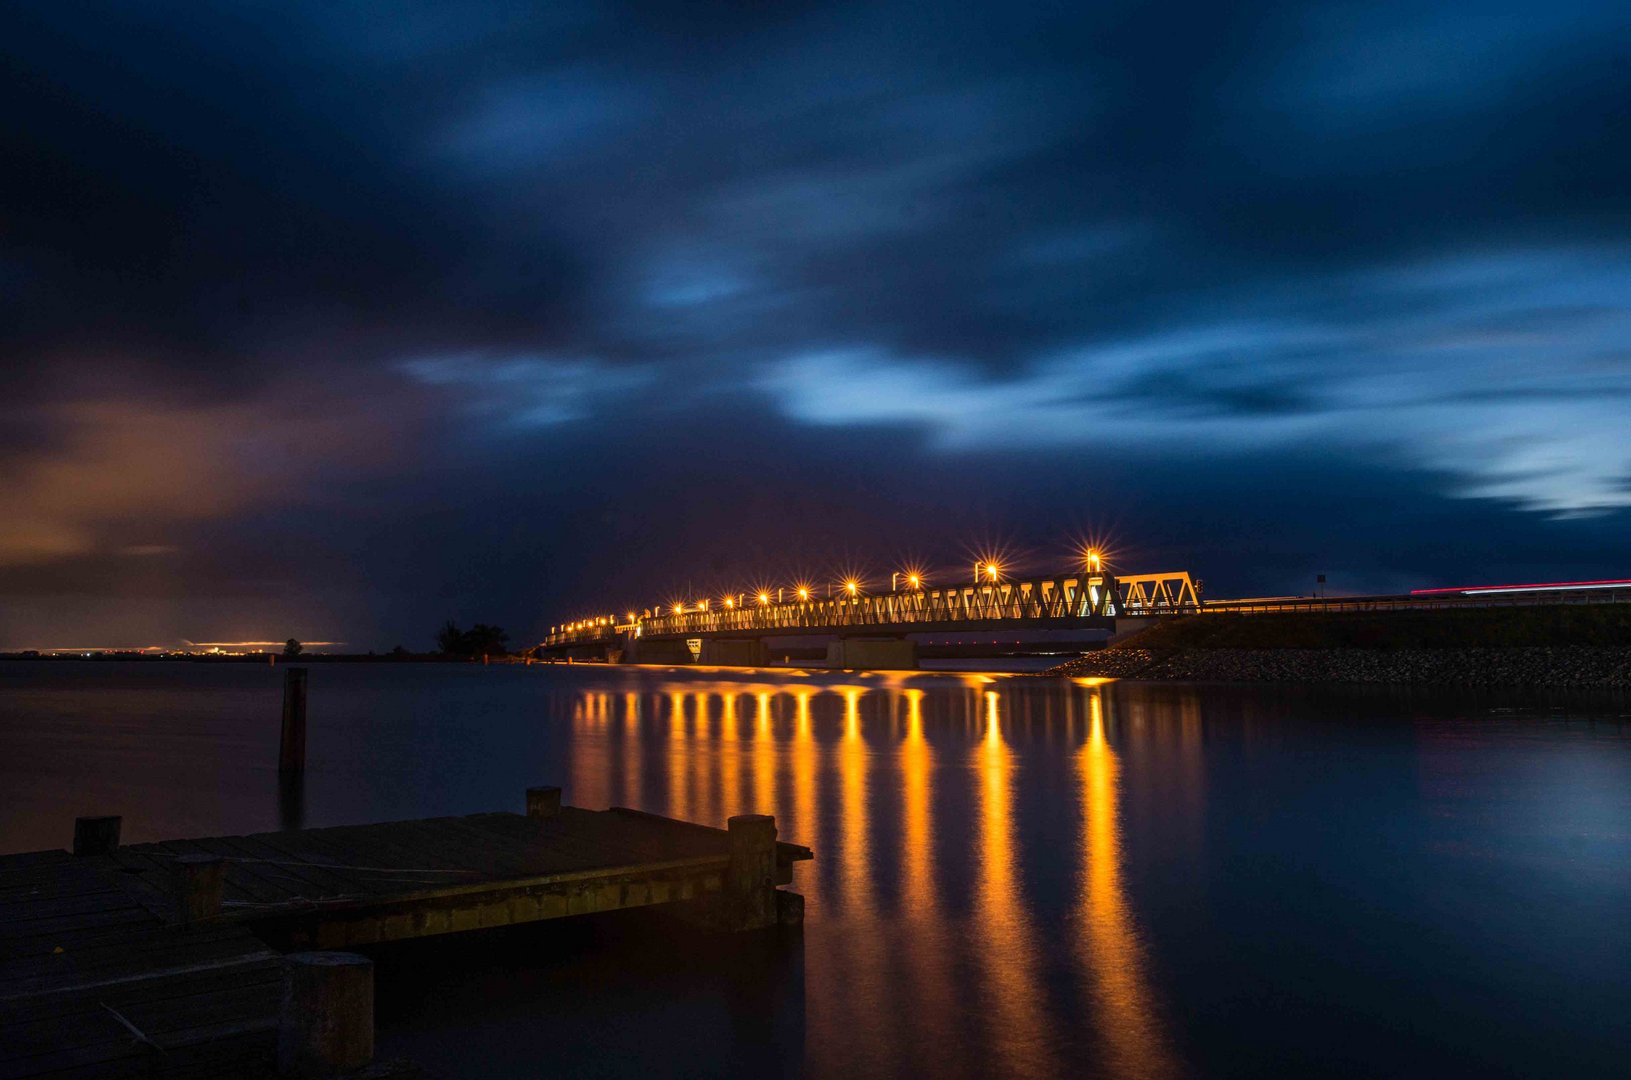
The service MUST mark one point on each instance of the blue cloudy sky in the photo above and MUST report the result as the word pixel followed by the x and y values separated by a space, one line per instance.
pixel 336 320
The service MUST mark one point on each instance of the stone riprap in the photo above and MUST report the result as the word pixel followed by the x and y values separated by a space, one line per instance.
pixel 1566 665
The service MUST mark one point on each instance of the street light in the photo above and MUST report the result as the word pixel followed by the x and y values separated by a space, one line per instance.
pixel 852 586
pixel 804 594
pixel 1094 562
pixel 764 598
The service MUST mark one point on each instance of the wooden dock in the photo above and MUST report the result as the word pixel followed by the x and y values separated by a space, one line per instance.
pixel 169 959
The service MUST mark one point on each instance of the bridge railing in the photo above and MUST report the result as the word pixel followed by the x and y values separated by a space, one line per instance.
pixel 1057 598
pixel 1044 599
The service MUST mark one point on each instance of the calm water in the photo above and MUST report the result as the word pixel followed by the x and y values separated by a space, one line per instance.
pixel 1011 878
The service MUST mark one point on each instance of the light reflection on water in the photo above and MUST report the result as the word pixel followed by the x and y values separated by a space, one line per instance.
pixel 826 760
pixel 1012 877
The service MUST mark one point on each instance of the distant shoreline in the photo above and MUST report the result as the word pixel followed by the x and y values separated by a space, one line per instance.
pixel 263 659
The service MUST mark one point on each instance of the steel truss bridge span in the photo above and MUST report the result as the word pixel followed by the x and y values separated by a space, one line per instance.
pixel 1082 601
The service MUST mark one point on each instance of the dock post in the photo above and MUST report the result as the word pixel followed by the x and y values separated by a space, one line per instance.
pixel 292 749
pixel 198 886
pixel 543 802
pixel 750 877
pixel 326 1023
pixel 96 835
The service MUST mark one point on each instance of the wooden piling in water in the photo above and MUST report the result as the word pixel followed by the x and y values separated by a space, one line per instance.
pixel 543 802
pixel 292 747
pixel 749 901
pixel 96 835
pixel 199 882
pixel 326 1022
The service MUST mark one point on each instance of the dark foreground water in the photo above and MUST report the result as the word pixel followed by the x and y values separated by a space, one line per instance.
pixel 1012 877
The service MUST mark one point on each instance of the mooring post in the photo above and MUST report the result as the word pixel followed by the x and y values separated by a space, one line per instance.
pixel 292 749
pixel 198 887
pixel 543 802
pixel 750 877
pixel 96 835
pixel 326 1022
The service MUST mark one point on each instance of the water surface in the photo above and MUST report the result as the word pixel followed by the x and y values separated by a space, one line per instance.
pixel 1012 877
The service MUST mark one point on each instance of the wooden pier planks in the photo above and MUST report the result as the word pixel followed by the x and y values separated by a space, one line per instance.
pixel 356 868
pixel 99 979
pixel 83 967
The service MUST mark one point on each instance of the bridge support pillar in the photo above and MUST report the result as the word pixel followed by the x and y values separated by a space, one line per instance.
pixel 734 652
pixel 877 654
pixel 658 651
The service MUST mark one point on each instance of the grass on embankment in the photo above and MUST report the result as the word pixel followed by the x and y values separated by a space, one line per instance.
pixel 1609 624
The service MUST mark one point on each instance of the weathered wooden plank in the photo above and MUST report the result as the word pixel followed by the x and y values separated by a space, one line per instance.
pixel 131 916
pixel 66 970
pixel 19 913
pixel 101 938
pixel 480 851
pixel 263 882
pixel 569 837
pixel 249 996
pixel 496 859
pixel 408 848
pixel 33 860
pixel 327 883
pixel 60 880
pixel 239 884
pixel 374 850
pixel 320 847
pixel 156 986
pixel 304 882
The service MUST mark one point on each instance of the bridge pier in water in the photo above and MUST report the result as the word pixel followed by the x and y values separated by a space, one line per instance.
pixel 879 654
pixel 734 652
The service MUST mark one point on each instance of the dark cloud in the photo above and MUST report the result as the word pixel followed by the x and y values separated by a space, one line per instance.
pixel 373 315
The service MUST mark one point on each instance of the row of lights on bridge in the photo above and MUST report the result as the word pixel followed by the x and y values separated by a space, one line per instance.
pixel 985 571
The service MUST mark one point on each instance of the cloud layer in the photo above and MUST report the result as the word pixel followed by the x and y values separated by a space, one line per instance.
pixel 307 279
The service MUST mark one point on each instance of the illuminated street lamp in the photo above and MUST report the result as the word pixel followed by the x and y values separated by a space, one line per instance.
pixel 985 571
pixel 852 586
pixel 729 602
pixel 1094 562
pixel 804 593
pixel 764 598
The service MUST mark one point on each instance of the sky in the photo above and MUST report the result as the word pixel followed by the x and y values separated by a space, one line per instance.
pixel 337 321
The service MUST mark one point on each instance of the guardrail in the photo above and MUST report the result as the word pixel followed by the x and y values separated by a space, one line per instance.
pixel 1406 602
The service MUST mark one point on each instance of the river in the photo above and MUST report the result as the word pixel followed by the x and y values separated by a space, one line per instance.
pixel 1013 877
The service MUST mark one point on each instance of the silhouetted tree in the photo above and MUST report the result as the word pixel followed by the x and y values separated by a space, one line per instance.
pixel 484 640
pixel 479 640
pixel 292 648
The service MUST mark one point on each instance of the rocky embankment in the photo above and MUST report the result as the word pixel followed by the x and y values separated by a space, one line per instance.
pixel 1562 665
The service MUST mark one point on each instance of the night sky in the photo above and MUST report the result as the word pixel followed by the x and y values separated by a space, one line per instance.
pixel 335 321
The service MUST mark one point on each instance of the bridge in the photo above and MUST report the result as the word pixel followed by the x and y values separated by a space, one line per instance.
pixel 870 629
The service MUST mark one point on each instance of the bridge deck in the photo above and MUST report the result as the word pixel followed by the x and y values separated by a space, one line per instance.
pixel 97 978
pixel 1067 602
